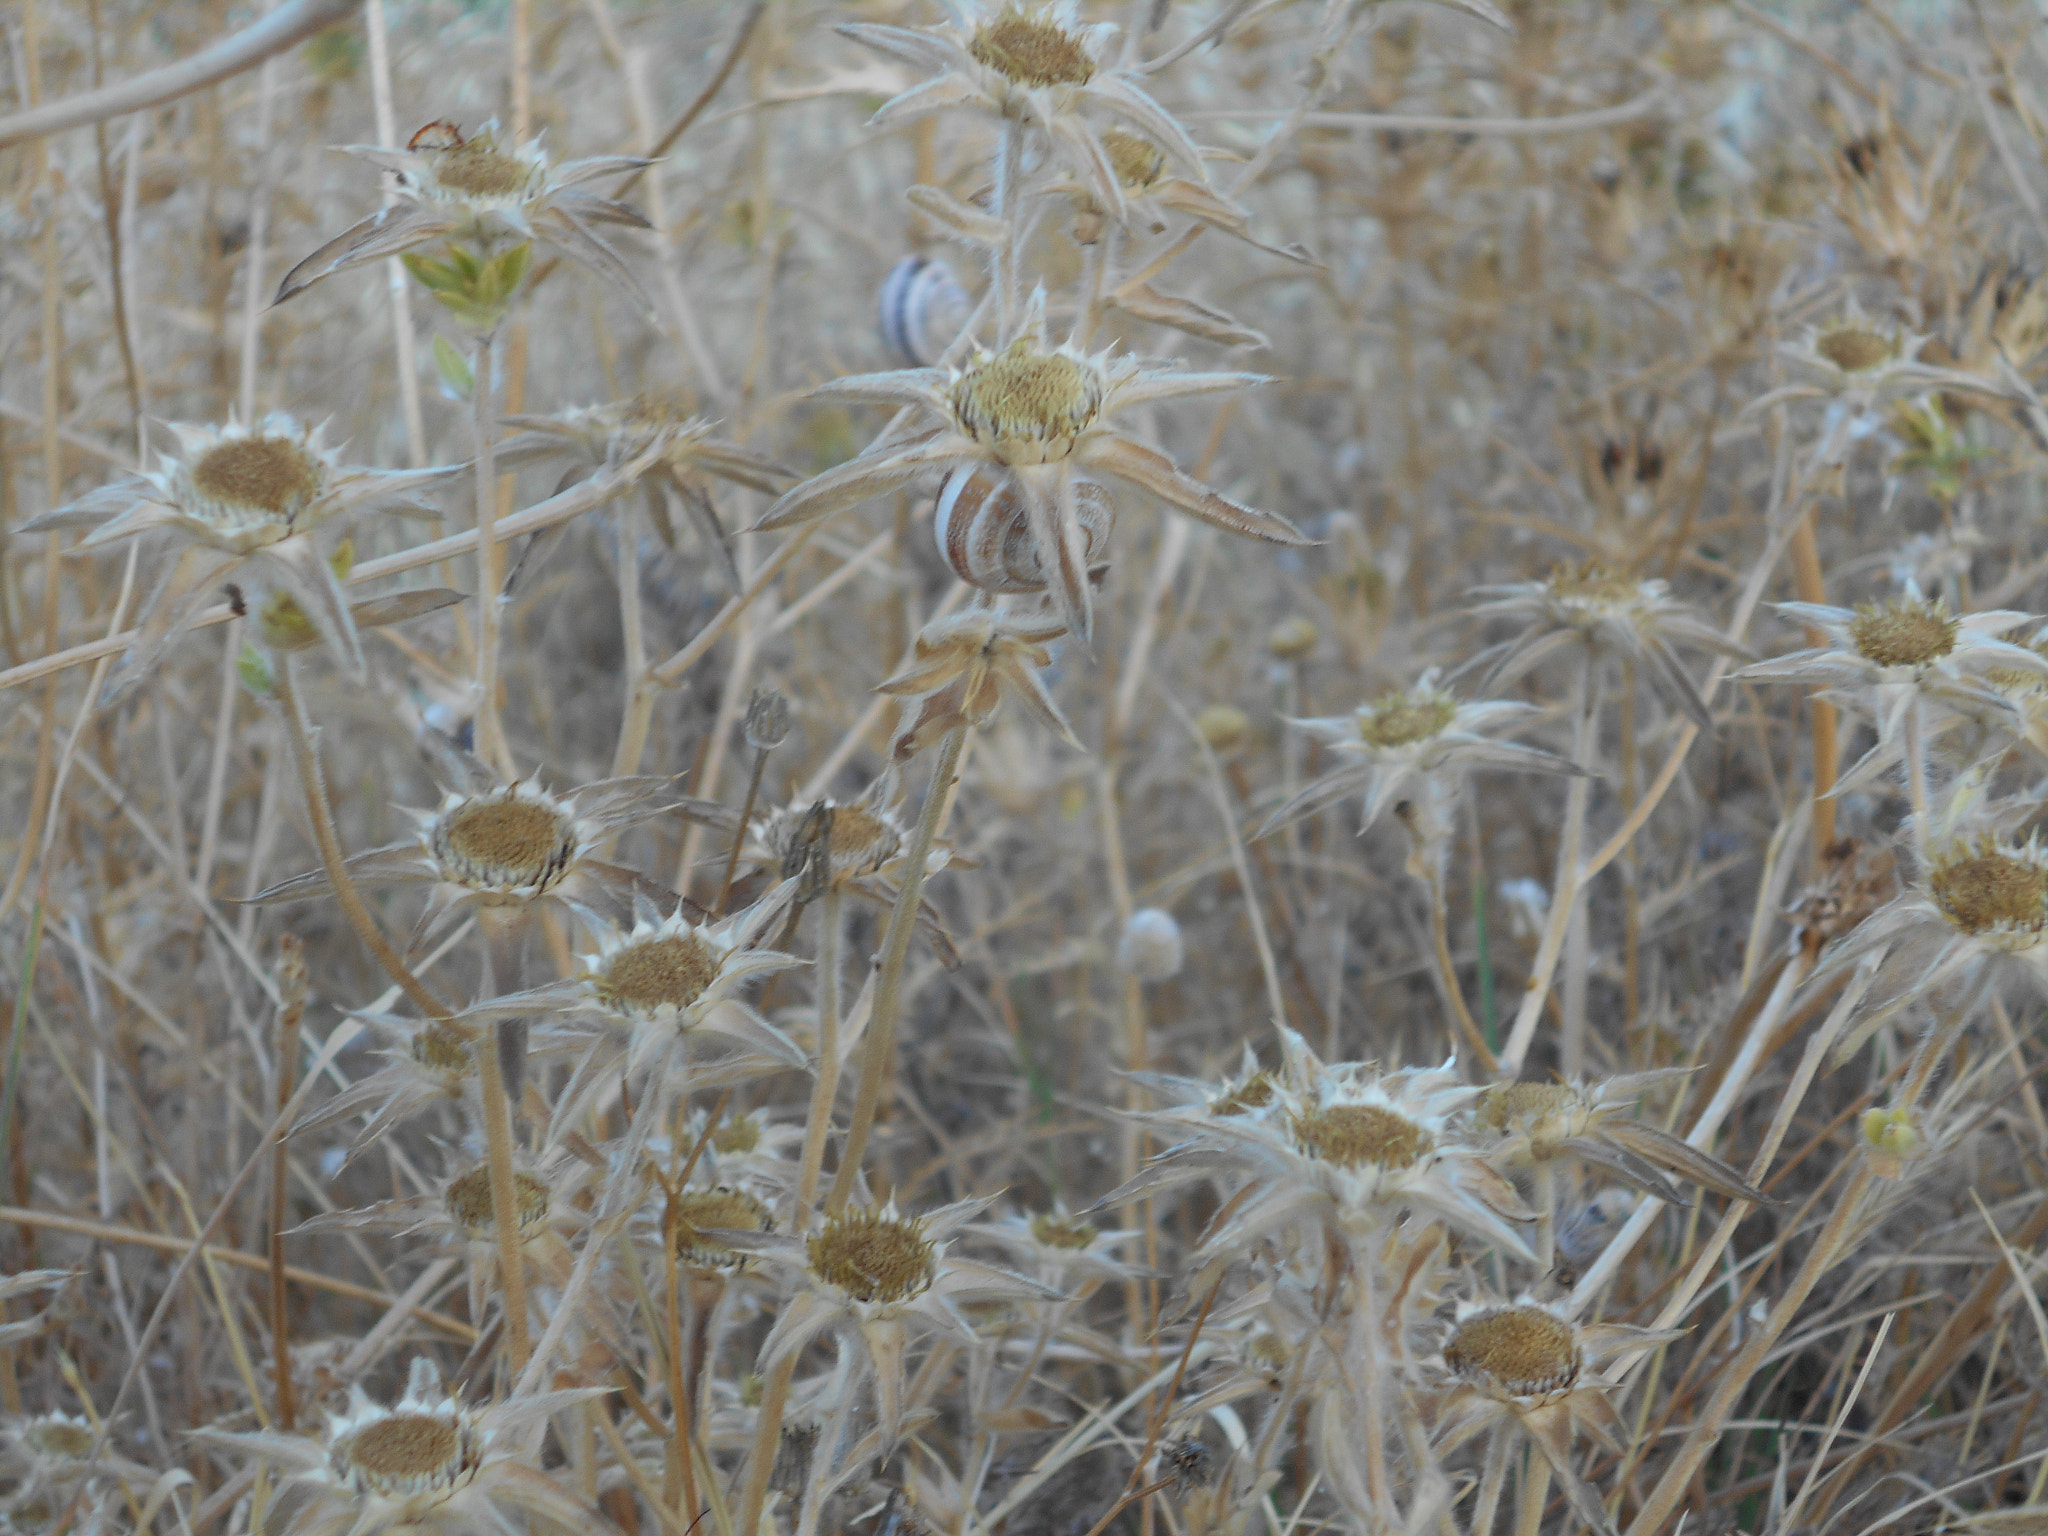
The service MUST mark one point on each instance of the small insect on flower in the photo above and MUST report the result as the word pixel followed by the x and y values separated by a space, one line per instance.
pixel 1607 611
pixel 871 1272
pixel 1595 1122
pixel 1037 417
pixel 1415 744
pixel 687 456
pixel 241 504
pixel 1526 1367
pixel 478 189
pixel 1039 65
pixel 425 1466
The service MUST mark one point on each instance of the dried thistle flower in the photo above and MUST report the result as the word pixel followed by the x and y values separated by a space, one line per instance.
pixel 1344 1146
pixel 1036 64
pixel 1594 1122
pixel 479 189
pixel 242 504
pixel 1416 744
pixel 1527 1366
pixel 429 1061
pixel 963 667
pixel 503 848
pixel 614 435
pixel 1593 605
pixel 1885 658
pixel 1037 415
pixel 427 1464
pixel 872 1272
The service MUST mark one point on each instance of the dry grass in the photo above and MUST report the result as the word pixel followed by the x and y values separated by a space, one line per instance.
pixel 1124 1188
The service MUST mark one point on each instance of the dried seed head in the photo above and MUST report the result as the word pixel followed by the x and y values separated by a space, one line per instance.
pixel 1905 632
pixel 58 1437
pixel 1137 162
pixel 1188 1462
pixel 1524 1351
pixel 1026 406
pixel 699 1211
pixel 478 169
pixel 1590 584
pixel 874 1256
pixel 244 480
pixel 1292 638
pixel 1403 719
pixel 1151 947
pixel 1255 1092
pixel 1989 890
pixel 1057 1231
pixel 504 843
pixel 468 1202
pixel 405 1454
pixel 1223 726
pixel 1856 349
pixel 1353 1135
pixel 439 1048
pixel 1029 49
pixel 651 975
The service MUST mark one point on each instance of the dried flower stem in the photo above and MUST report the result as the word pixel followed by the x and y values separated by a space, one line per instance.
pixel 291 1015
pixel 1533 1494
pixel 767 1436
pixel 881 1032
pixel 490 561
pixel 1493 1478
pixel 1806 571
pixel 739 833
pixel 818 1124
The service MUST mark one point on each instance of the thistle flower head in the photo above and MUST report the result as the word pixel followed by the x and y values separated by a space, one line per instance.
pixel 698 1213
pixel 1520 1351
pixel 873 1256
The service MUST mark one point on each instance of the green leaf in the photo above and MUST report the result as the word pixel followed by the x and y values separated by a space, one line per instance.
pixel 454 369
pixel 434 276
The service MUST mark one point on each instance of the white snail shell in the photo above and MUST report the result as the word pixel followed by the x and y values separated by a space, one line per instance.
pixel 983 534
pixel 923 308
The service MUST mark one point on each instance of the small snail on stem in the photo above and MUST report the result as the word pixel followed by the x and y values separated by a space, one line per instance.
pixel 982 532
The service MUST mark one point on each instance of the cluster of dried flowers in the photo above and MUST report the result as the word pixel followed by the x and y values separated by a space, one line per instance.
pixel 672 1169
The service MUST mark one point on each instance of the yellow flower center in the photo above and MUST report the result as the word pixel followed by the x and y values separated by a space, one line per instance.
pixel 1402 719
pixel 406 1453
pixel 874 1257
pixel 1027 406
pixel 1592 584
pixel 441 1049
pixel 1521 1350
pixel 860 838
pixel 1056 1231
pixel 1255 1092
pixel 710 1210
pixel 272 477
pixel 1853 349
pixel 1137 162
pixel 1351 1135
pixel 468 1202
pixel 1991 890
pixel 508 843
pixel 480 169
pixel 670 972
pixel 1030 51
pixel 59 1438
pixel 1903 632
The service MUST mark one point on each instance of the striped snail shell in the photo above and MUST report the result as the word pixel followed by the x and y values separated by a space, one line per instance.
pixel 923 308
pixel 983 534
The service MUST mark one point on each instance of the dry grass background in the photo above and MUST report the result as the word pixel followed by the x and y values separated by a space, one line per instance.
pixel 1568 299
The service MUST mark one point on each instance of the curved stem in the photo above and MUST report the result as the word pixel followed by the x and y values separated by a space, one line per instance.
pixel 874 1067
